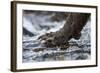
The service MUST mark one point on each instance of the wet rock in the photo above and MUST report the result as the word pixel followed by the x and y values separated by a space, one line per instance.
pixel 38 49
pixel 82 57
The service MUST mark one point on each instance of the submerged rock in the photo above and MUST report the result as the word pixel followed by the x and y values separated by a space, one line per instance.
pixel 38 49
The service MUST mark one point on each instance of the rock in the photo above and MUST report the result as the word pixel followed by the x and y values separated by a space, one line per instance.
pixel 38 49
